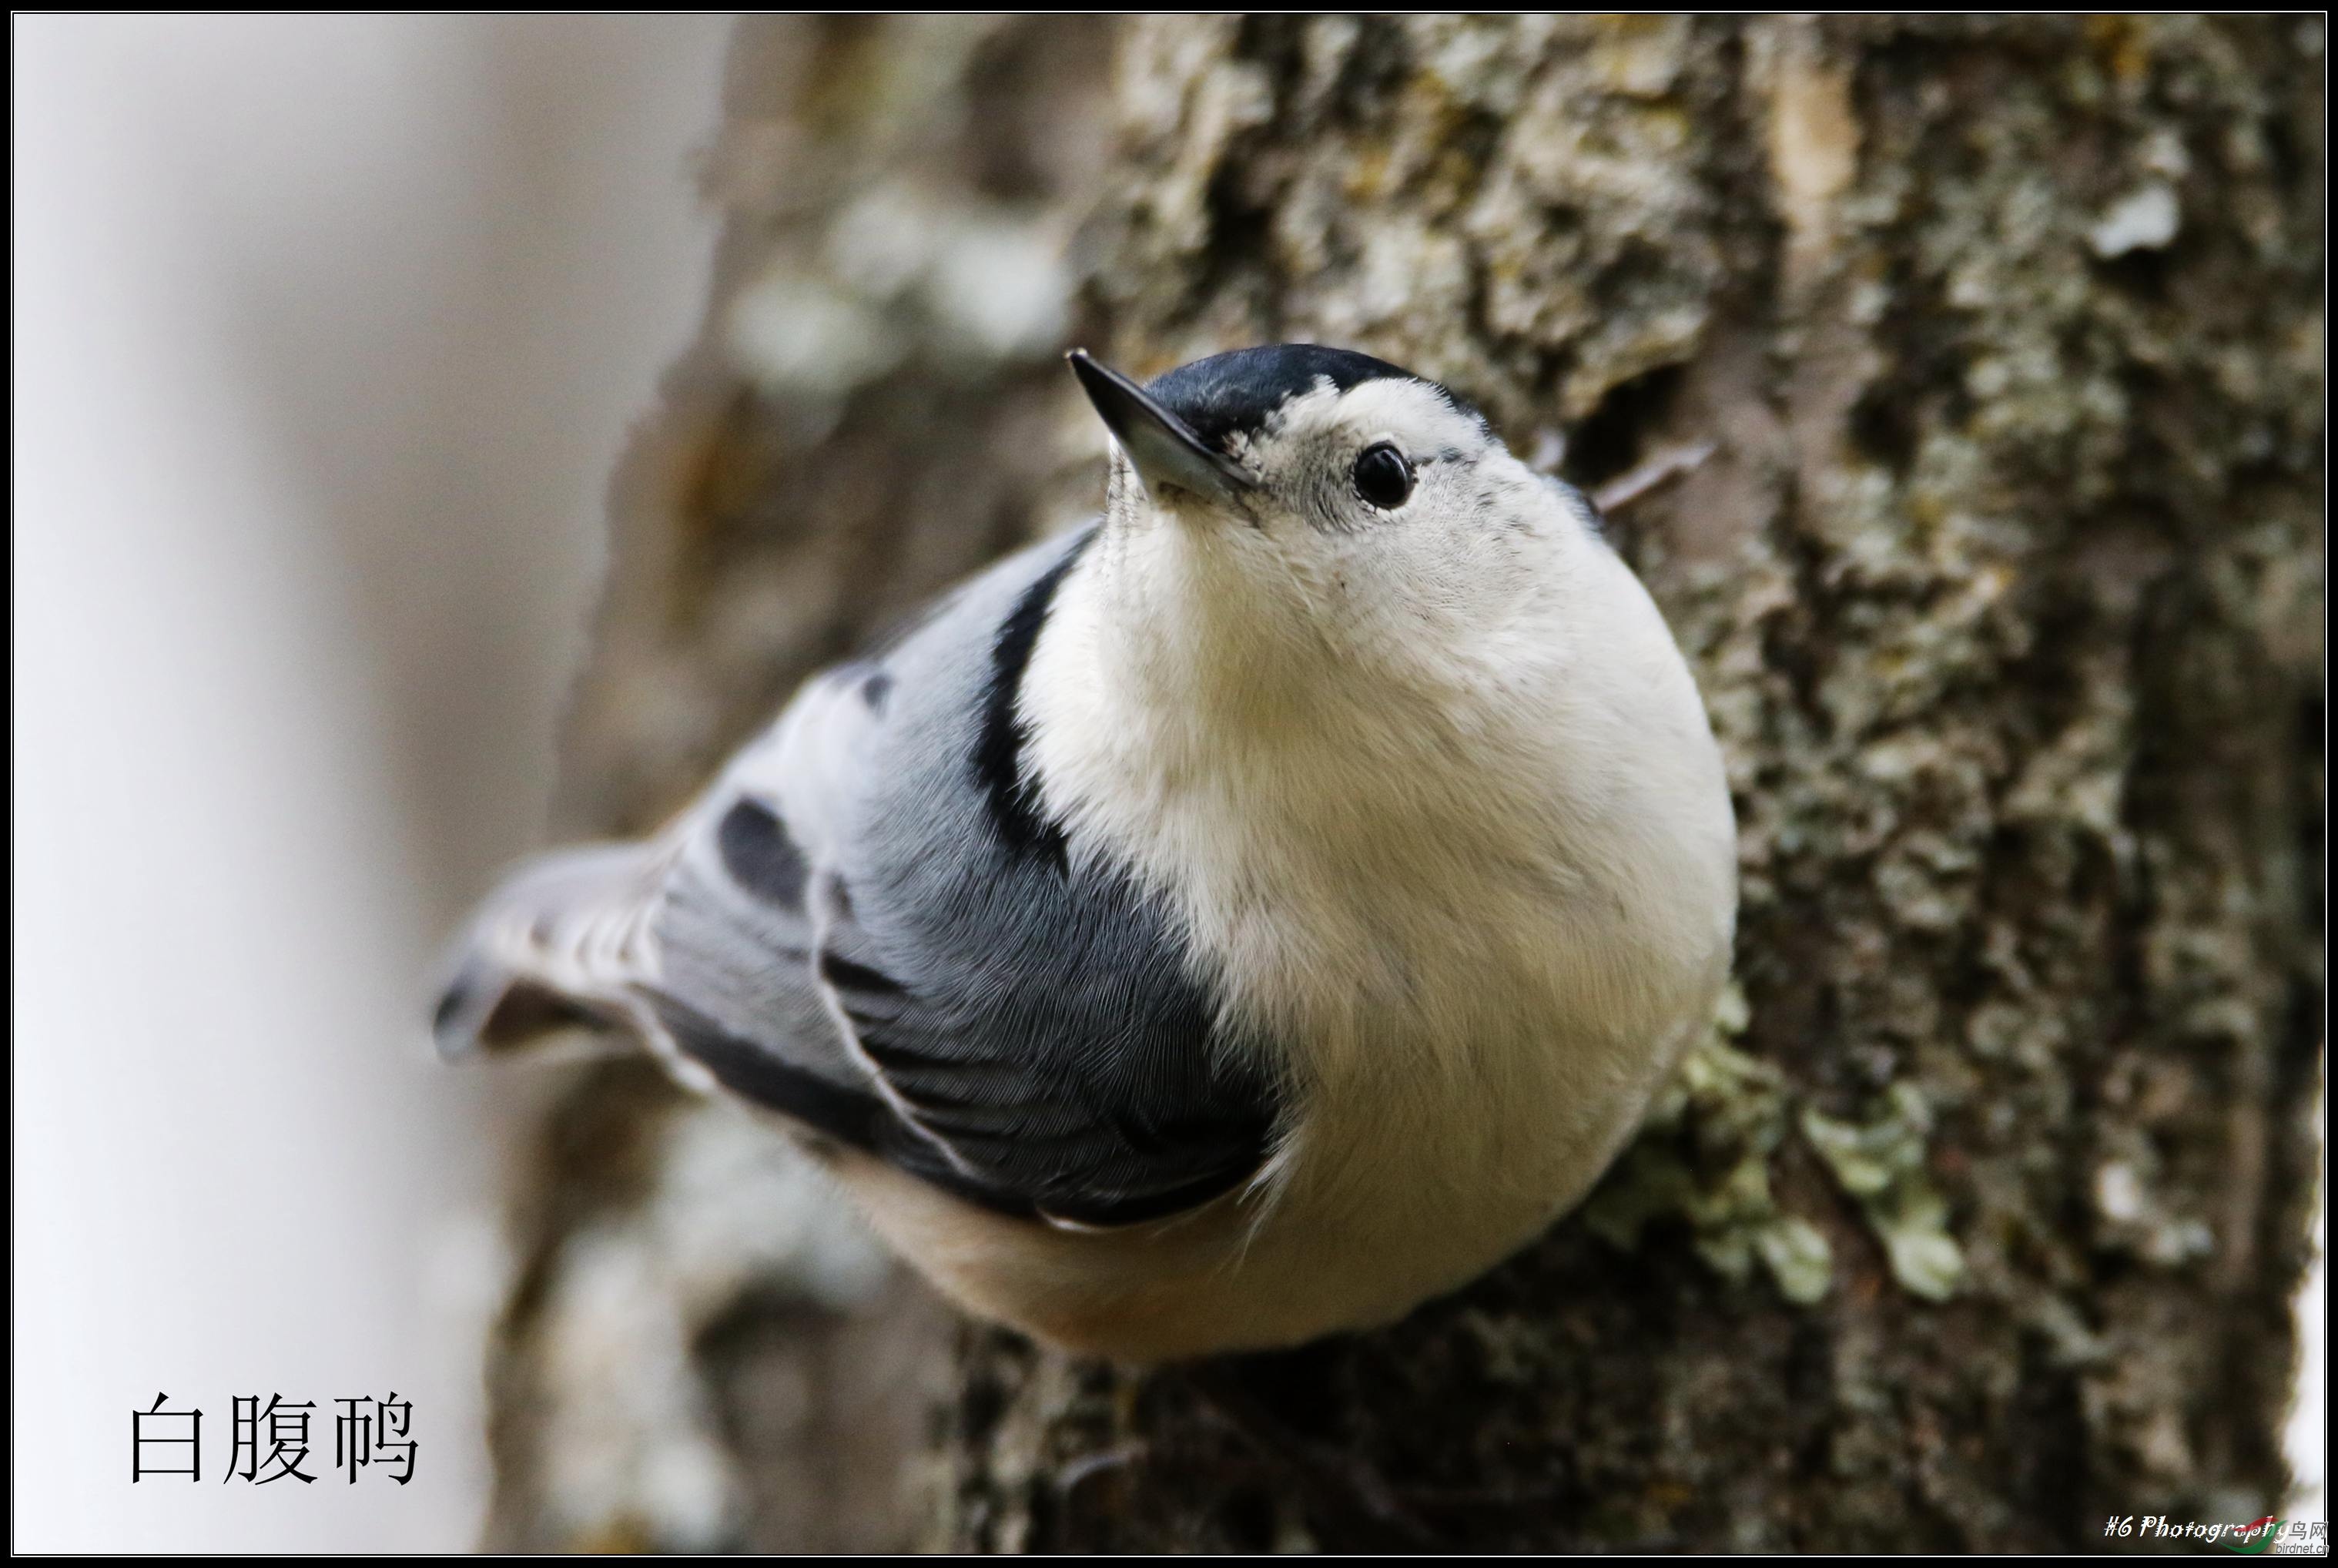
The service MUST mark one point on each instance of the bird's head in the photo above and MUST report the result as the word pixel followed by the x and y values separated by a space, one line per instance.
pixel 1316 498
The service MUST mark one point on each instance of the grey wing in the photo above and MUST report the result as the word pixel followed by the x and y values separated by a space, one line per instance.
pixel 733 989
pixel 847 936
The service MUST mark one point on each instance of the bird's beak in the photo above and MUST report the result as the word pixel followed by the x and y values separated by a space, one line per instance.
pixel 1162 447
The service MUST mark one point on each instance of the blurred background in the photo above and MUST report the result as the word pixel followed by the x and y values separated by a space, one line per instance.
pixel 328 333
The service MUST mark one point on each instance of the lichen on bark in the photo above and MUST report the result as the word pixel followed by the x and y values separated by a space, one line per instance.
pixel 1976 1222
pixel 2002 588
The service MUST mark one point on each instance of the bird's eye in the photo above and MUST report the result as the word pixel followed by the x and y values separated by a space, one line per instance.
pixel 1383 477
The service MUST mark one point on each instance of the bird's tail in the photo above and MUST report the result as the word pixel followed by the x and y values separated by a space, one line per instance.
pixel 562 945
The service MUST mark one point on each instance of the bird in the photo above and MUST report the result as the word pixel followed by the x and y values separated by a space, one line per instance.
pixel 1234 921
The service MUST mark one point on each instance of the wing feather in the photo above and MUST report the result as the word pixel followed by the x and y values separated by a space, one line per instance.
pixel 849 936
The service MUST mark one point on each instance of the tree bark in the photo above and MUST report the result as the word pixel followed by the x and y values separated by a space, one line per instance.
pixel 1976 1222
pixel 700 1349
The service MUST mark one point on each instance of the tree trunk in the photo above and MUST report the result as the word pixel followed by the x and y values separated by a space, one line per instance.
pixel 700 1349
pixel 1976 1222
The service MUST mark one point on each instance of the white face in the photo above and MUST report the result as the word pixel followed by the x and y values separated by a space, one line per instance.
pixel 1386 525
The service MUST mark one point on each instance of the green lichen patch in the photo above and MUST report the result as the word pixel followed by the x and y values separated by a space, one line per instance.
pixel 1880 1163
pixel 1703 1157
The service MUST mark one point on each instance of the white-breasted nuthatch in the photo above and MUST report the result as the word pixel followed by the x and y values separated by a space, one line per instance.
pixel 1235 921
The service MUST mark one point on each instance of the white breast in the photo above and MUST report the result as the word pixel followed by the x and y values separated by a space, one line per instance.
pixel 1480 911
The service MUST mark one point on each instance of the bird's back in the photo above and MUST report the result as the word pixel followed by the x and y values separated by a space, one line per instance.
pixel 866 924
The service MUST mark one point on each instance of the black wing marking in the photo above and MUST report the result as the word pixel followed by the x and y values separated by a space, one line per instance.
pixel 852 1116
pixel 758 852
pixel 1153 1116
pixel 875 933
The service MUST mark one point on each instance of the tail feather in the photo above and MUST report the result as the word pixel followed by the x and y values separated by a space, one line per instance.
pixel 561 945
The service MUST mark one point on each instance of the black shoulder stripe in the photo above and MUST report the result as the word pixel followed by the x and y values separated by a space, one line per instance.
pixel 999 749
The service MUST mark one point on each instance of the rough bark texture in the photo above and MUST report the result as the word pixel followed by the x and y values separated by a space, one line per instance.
pixel 1976 1222
pixel 701 1349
